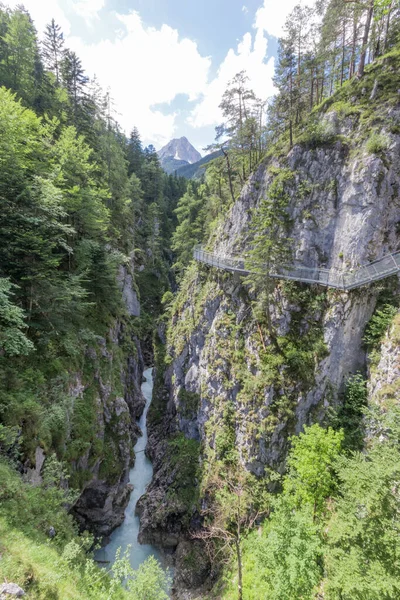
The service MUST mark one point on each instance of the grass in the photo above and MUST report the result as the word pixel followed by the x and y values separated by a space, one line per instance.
pixel 45 568
pixel 377 143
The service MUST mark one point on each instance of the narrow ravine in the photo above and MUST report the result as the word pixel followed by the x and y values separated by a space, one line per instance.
pixel 140 476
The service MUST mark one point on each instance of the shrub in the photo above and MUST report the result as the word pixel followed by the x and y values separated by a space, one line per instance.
pixel 350 414
pixel 378 325
pixel 377 143
pixel 318 134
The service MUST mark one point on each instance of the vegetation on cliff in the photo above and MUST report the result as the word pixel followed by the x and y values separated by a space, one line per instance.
pixel 326 525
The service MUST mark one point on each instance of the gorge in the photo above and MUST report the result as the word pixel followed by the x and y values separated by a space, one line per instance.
pixel 185 379
pixel 139 477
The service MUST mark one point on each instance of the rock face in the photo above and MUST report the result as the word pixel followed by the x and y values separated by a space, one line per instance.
pixel 177 153
pixel 33 476
pixel 8 590
pixel 344 210
pixel 384 377
pixel 117 366
pixel 126 282
pixel 101 506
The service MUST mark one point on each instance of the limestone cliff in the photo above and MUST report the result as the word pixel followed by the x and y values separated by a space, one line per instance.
pixel 344 210
pixel 117 369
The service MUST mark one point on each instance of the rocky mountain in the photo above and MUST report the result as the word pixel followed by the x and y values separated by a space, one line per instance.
pixel 197 169
pixel 178 153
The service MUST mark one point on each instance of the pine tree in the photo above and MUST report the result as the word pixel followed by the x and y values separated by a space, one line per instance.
pixel 75 82
pixel 286 101
pixel 271 245
pixel 53 49
pixel 135 153
pixel 190 229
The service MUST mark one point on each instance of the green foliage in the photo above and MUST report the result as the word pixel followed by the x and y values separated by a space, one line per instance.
pixel 269 227
pixel 240 140
pixel 150 582
pixel 378 325
pixel 377 143
pixel 314 48
pixel 183 455
pixel 62 567
pixel 349 547
pixel 311 475
pixel 344 109
pixel 284 561
pixel 33 510
pixel 288 556
pixel 225 438
pixel 317 134
pixel 74 195
pixel 189 402
pixel 351 414
pixel 363 541
pixel 13 341
pixel 190 229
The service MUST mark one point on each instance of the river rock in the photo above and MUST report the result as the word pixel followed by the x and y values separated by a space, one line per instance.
pixel 101 508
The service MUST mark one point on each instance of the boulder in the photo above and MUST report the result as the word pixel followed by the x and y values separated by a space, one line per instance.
pixel 10 589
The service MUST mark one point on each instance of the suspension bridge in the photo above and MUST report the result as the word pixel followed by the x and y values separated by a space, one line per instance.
pixel 342 280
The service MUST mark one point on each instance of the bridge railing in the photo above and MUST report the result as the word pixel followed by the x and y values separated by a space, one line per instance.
pixel 374 271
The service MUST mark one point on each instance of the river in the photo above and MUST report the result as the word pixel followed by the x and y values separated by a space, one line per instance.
pixel 140 476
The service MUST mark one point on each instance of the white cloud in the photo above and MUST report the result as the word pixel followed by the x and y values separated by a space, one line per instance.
pixel 145 66
pixel 272 15
pixel 88 9
pixel 42 12
pixel 249 56
pixel 245 9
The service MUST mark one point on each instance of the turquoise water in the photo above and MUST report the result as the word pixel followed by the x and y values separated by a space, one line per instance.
pixel 140 476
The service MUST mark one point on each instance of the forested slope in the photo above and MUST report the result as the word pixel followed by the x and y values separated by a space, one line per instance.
pixel 81 207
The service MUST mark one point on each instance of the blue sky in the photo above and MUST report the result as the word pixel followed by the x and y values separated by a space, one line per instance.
pixel 167 62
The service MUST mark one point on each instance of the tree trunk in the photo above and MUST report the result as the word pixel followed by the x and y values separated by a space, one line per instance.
pixel 343 53
pixel 312 88
pixel 333 70
pixel 240 569
pixel 364 47
pixel 228 164
pixel 387 24
pixel 291 110
pixel 353 48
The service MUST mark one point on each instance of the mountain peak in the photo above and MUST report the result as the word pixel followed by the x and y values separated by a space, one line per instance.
pixel 177 153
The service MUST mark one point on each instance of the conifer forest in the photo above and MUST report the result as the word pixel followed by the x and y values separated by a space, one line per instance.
pixel 266 410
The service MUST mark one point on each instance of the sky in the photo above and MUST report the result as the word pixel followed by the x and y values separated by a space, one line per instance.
pixel 168 62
